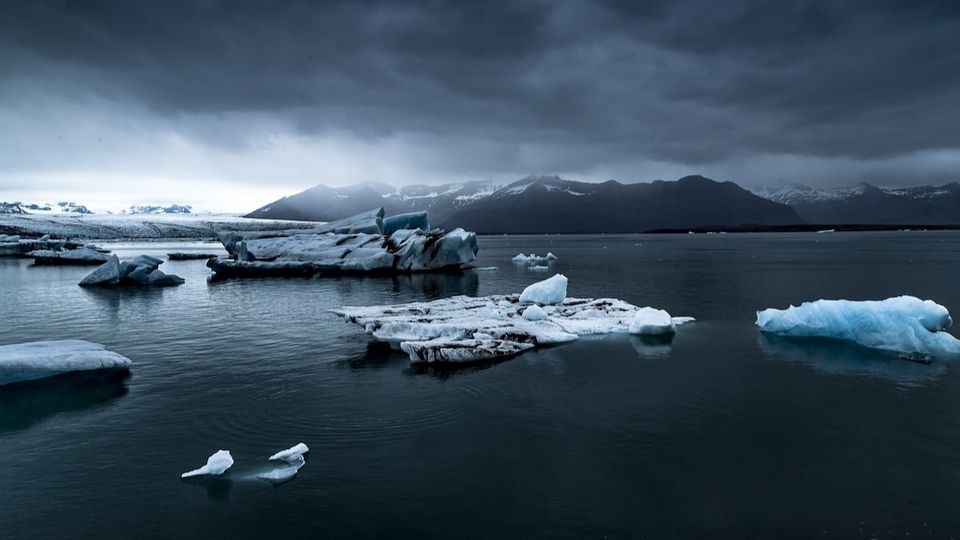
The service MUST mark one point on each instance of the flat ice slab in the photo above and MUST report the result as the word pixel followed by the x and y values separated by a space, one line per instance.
pixel 79 256
pixel 902 324
pixel 41 359
pixel 216 465
pixel 470 329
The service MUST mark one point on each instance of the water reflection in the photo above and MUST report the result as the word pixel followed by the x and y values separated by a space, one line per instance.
pixel 834 357
pixel 217 488
pixel 24 404
pixel 652 346
pixel 112 298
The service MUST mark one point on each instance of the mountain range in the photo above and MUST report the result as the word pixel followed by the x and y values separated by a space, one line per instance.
pixel 864 204
pixel 546 204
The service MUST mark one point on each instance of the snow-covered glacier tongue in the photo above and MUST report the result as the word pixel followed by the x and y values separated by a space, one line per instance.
pixel 365 243
pixel 904 324
pixel 465 329
pixel 40 359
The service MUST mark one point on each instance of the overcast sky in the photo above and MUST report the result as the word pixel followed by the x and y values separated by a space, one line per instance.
pixel 227 105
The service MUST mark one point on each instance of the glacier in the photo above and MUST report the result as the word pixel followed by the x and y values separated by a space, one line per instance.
pixel 466 329
pixel 41 359
pixel 903 324
pixel 216 465
pixel 141 270
pixel 359 244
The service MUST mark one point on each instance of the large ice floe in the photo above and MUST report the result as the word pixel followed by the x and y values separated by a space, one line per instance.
pixel 41 359
pixel 141 270
pixel 903 324
pixel 471 329
pixel 365 243
pixel 16 246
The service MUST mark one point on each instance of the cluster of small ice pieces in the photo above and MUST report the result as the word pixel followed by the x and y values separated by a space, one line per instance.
pixel 470 329
pixel 285 464
pixel 904 324
pixel 365 243
pixel 533 258
pixel 40 359
pixel 141 270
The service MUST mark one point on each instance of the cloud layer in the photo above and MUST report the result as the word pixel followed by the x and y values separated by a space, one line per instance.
pixel 233 102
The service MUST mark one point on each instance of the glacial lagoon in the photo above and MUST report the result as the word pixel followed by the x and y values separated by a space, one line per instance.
pixel 721 431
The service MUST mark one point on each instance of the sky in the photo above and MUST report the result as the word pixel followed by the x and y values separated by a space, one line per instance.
pixel 228 105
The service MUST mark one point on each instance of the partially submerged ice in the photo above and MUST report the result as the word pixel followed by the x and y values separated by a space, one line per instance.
pixel 903 324
pixel 286 464
pixel 365 243
pixel 533 258
pixel 470 329
pixel 216 465
pixel 41 359
pixel 141 270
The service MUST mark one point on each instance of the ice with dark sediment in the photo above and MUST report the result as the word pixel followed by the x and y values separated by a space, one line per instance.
pixel 359 244
pixel 141 270
pixel 86 255
pixel 465 329
pixel 41 359
pixel 17 246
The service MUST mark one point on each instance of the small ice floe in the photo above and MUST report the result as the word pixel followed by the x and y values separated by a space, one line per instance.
pixel 903 324
pixel 533 258
pixel 825 231
pixel 142 270
pixel 41 359
pixel 216 465
pixel 487 269
pixel 286 464
pixel 467 329
pixel 80 256
pixel 539 268
pixel 190 256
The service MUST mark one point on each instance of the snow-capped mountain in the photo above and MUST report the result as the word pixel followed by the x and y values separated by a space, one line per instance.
pixel 159 209
pixel 46 208
pixel 867 204
pixel 539 204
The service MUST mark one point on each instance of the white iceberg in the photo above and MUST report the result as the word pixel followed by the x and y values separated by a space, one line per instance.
pixel 286 464
pixel 369 251
pixel 470 329
pixel 648 321
pixel 902 324
pixel 216 465
pixel 549 291
pixel 142 270
pixel 41 359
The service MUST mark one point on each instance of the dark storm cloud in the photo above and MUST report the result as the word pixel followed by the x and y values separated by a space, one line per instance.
pixel 688 83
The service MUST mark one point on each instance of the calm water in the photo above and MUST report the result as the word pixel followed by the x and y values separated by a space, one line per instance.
pixel 722 433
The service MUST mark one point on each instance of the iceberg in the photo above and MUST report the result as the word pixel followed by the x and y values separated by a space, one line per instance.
pixel 466 329
pixel 41 359
pixel 15 246
pixel 142 270
pixel 216 465
pixel 549 291
pixel 365 247
pixel 286 464
pixel 291 454
pixel 80 256
pixel 904 324
pixel 412 220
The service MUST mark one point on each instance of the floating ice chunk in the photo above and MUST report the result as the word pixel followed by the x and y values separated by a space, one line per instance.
pixel 486 269
pixel 40 359
pixel 533 258
pixel 142 270
pixel 903 324
pixel 648 321
pixel 188 256
pixel 284 471
pixel 79 256
pixel 291 454
pixel 216 465
pixel 534 313
pixel 539 268
pixel 466 329
pixel 549 291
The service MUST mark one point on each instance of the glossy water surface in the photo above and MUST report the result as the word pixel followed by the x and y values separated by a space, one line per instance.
pixel 723 433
